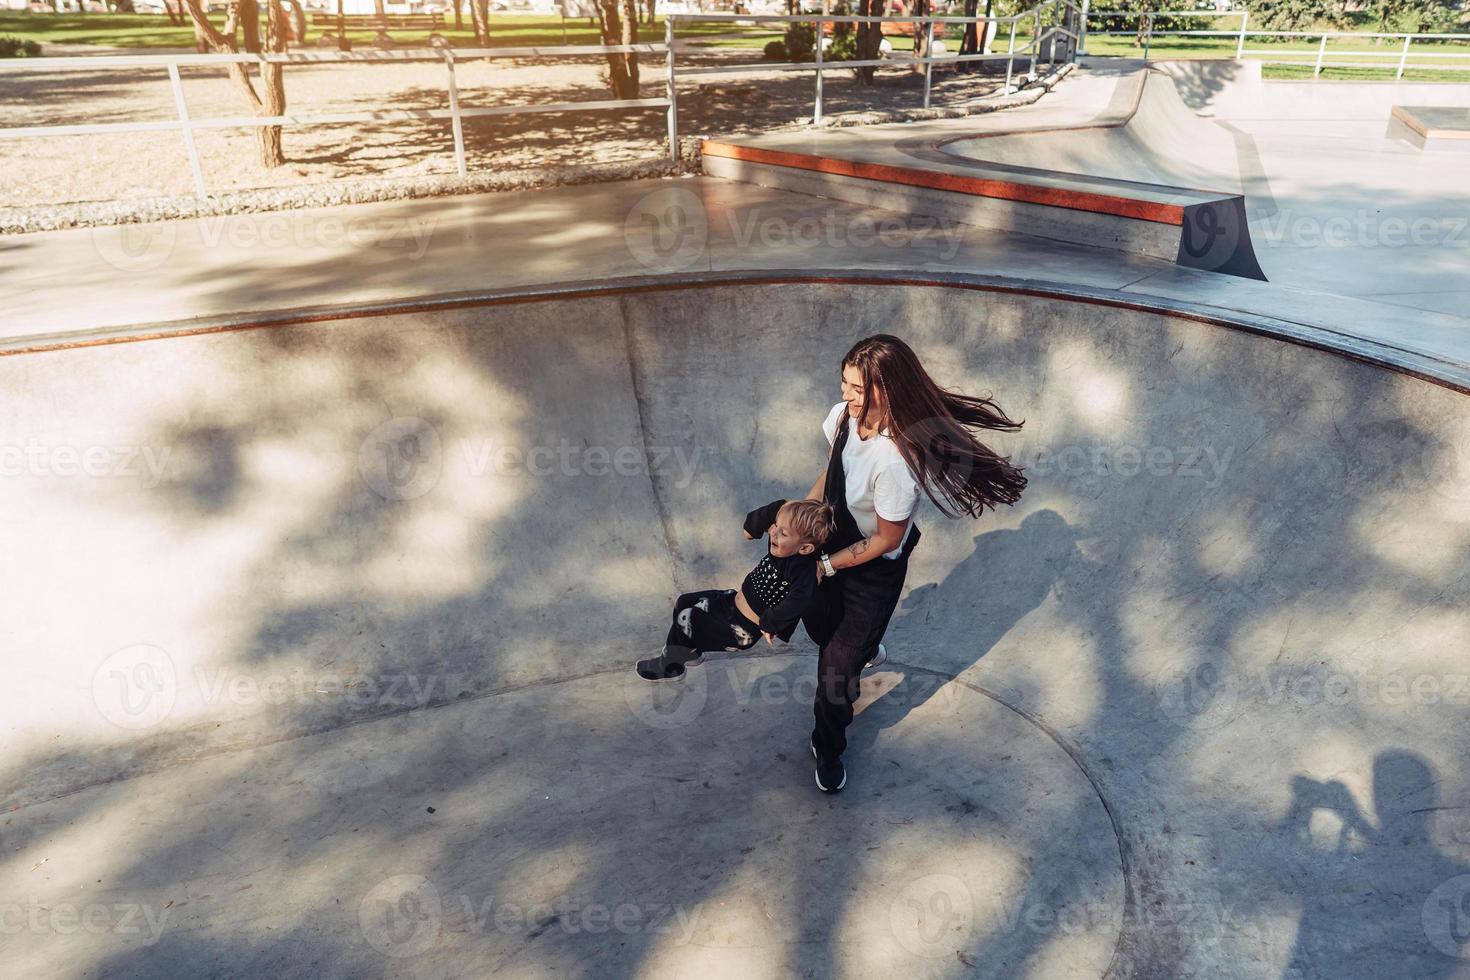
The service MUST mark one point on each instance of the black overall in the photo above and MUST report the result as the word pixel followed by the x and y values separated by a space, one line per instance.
pixel 849 613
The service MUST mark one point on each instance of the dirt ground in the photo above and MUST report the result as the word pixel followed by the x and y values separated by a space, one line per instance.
pixel 68 169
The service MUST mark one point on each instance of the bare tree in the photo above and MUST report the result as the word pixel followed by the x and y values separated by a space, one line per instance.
pixel 869 36
pixel 618 22
pixel 921 33
pixel 480 15
pixel 244 16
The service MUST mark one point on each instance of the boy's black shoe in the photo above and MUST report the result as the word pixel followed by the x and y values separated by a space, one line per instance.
pixel 831 776
pixel 665 667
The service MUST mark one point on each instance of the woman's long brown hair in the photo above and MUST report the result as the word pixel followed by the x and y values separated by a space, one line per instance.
pixel 931 426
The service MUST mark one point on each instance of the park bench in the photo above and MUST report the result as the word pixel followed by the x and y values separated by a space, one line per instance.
pixel 361 22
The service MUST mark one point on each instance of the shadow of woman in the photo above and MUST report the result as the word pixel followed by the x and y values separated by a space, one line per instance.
pixel 1379 901
pixel 950 626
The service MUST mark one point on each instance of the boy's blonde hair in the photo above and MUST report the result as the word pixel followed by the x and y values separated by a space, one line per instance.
pixel 811 520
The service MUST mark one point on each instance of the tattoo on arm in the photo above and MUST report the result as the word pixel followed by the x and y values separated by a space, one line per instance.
pixel 853 551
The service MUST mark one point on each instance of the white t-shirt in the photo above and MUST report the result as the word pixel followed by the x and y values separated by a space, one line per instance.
pixel 879 482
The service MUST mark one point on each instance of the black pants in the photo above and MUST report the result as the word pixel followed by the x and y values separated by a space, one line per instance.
pixel 846 619
pixel 709 620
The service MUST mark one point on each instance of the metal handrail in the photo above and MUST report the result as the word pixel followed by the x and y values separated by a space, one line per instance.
pixel 1287 57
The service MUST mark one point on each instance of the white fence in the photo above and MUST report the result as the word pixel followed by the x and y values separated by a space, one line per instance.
pixel 1318 60
pixel 1062 17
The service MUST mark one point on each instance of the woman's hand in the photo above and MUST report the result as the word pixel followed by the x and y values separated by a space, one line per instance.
pixel 821 573
pixel 769 642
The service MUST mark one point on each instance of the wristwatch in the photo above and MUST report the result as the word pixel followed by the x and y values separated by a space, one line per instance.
pixel 827 565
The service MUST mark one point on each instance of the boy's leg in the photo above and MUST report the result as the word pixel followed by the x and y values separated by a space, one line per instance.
pixel 714 624
pixel 702 621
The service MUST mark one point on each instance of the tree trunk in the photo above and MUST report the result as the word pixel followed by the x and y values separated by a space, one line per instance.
pixel 921 34
pixel 869 36
pixel 273 80
pixel 268 138
pixel 480 15
pixel 381 9
pixel 174 20
pixel 458 17
pixel 620 26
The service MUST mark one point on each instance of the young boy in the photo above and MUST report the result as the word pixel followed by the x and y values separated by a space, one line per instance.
pixel 770 601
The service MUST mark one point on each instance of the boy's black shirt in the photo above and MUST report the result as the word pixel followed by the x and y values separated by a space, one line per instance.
pixel 778 589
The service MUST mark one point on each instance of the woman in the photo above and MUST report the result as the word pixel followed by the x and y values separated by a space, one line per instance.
pixel 894 432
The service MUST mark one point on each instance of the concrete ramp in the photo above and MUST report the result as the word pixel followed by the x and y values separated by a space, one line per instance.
pixel 322 637
pixel 1138 172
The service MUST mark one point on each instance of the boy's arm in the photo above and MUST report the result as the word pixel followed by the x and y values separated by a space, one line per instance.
pixel 761 518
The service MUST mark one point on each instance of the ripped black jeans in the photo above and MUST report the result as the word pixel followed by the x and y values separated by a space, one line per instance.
pixel 708 620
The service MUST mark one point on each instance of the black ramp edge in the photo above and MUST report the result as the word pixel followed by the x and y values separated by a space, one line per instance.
pixel 1216 237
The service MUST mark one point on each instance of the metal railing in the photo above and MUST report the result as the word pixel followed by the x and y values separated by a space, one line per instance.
pixel 1318 60
pixel 1066 13
pixel 1064 31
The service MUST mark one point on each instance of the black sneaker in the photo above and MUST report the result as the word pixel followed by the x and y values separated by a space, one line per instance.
pixel 831 776
pixel 665 668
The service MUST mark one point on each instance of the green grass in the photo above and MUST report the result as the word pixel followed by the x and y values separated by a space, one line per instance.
pixel 1305 51
pixel 154 30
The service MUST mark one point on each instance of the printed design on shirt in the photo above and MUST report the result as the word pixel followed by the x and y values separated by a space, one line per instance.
pixel 769 587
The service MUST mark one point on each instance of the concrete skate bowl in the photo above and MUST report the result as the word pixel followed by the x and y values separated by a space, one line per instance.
pixel 324 631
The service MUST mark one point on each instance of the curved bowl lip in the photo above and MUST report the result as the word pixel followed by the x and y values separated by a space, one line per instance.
pixel 1435 370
